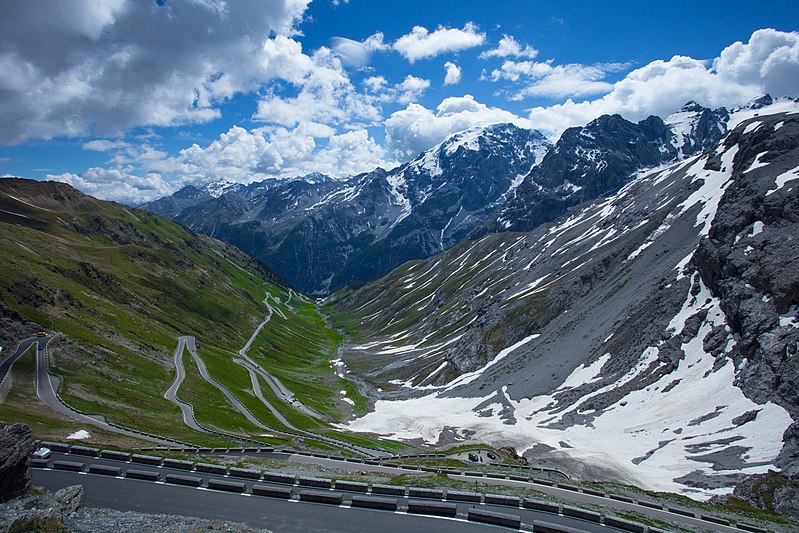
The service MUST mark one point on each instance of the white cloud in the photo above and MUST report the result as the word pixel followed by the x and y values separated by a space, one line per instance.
pixel 544 79
pixel 510 47
pixel 453 76
pixel 246 156
pixel 416 128
pixel 769 62
pixel 116 184
pixel 103 145
pixel 358 53
pixel 324 93
pixel 410 89
pixel 71 67
pixel 423 44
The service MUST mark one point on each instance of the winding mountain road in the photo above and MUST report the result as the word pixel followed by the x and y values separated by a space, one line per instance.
pixel 47 391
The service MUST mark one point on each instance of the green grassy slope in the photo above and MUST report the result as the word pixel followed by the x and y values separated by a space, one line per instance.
pixel 122 285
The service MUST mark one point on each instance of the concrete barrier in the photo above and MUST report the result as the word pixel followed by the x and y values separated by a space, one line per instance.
pixel 84 450
pixel 279 478
pixel 416 492
pixel 547 482
pixel 473 474
pixel 314 482
pixel 715 520
pixel 748 527
pixel 498 499
pixel 388 489
pixel 228 486
pixel 245 472
pixel 496 476
pixel 189 481
pixel 211 469
pixel 71 466
pixel 142 474
pixel 104 470
pixel 539 505
pixel 178 464
pixel 146 459
pixel 115 455
pixel 581 514
pixel 620 498
pixel 681 512
pixel 593 492
pixel 567 487
pixel 272 492
pixel 56 446
pixel 492 517
pixel 374 502
pixel 650 505
pixel 333 498
pixel 458 496
pixel 432 508
pixel 626 525
pixel 352 486
pixel 40 463
pixel 547 527
pixel 519 478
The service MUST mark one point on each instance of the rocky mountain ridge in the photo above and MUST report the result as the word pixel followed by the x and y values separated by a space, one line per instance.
pixel 650 334
pixel 322 234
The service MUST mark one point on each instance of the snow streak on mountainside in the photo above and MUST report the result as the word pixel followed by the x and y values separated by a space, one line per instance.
pixel 322 234
pixel 652 334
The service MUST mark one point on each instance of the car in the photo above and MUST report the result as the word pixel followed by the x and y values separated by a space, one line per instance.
pixel 41 333
pixel 473 457
pixel 41 453
pixel 491 456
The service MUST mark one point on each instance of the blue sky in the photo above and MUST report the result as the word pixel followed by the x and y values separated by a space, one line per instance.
pixel 129 100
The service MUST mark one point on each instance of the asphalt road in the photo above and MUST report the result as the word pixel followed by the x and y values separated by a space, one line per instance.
pixel 157 497
pixel 9 361
pixel 47 385
pixel 274 514
pixel 171 392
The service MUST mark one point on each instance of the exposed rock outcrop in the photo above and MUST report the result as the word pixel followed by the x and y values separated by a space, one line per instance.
pixel 16 445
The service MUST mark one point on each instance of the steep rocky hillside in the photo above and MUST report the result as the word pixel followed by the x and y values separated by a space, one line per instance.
pixel 599 158
pixel 651 334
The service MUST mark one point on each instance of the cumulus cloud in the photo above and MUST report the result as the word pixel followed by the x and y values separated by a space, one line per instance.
pixel 453 76
pixel 71 67
pixel 119 184
pixel 416 128
pixel 768 63
pixel 770 60
pixel 509 47
pixel 421 43
pixel 324 92
pixel 246 156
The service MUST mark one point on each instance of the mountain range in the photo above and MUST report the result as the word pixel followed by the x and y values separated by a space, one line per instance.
pixel 651 333
pixel 322 234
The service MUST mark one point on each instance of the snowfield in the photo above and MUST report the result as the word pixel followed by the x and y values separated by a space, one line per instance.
pixel 652 437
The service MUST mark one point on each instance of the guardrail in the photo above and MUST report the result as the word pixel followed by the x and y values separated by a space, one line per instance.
pixel 376 496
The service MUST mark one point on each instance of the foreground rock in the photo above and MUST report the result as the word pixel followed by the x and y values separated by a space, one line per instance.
pixel 16 445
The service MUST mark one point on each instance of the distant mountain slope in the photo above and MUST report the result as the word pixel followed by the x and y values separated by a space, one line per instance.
pixel 651 334
pixel 599 158
pixel 320 234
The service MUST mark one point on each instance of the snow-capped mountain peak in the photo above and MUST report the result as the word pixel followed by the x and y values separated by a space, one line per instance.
pixel 223 186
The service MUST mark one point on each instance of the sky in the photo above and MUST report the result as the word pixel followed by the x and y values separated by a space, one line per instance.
pixel 130 100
